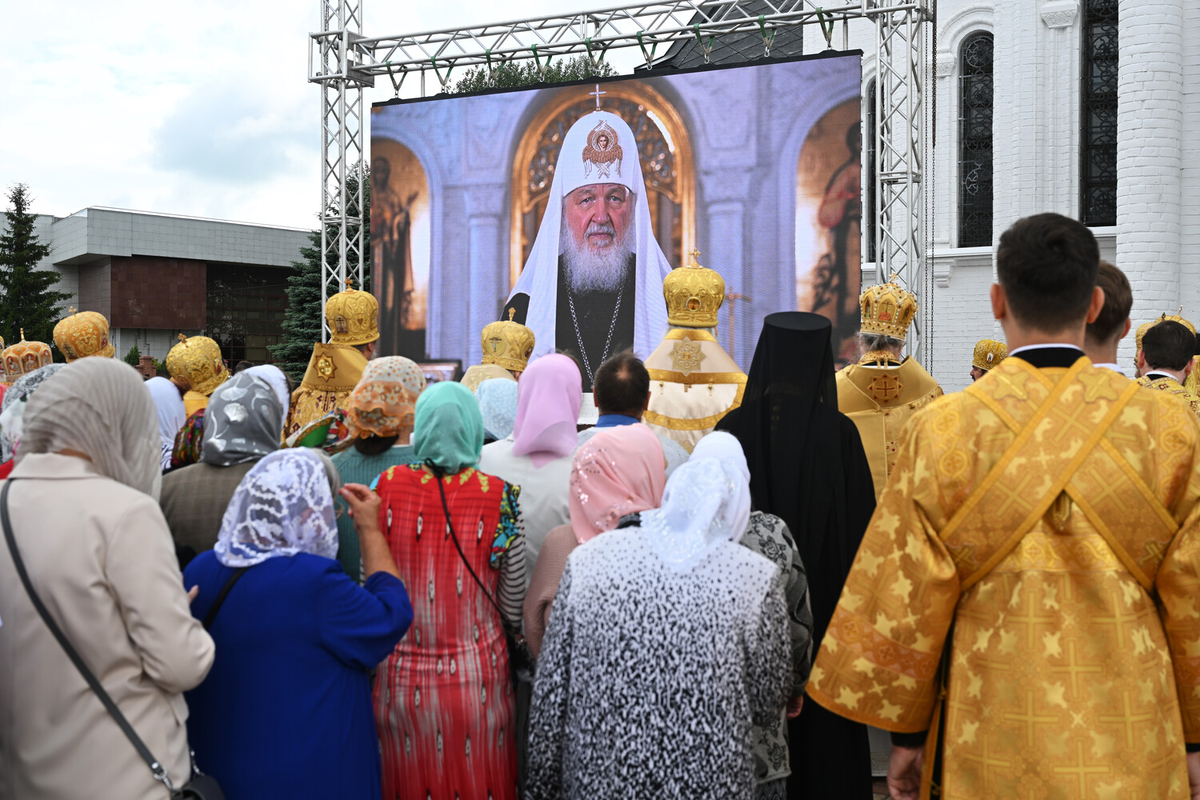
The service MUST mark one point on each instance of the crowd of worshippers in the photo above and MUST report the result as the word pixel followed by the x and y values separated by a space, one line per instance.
pixel 448 590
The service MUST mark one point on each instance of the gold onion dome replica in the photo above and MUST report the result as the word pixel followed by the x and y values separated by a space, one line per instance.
pixel 24 357
pixel 989 353
pixel 693 381
pixel 882 391
pixel 197 360
pixel 83 334
pixel 507 346
pixel 336 367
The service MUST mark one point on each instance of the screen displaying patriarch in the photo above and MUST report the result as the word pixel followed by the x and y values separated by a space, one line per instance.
pixel 565 205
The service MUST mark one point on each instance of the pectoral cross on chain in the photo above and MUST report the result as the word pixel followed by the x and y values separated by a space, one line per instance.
pixel 597 94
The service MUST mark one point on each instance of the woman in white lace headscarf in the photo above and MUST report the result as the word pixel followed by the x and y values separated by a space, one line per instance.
pixel 12 409
pixel 98 552
pixel 242 424
pixel 666 644
pixel 297 636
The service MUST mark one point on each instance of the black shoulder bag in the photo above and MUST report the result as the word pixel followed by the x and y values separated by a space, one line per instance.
pixel 201 786
pixel 520 658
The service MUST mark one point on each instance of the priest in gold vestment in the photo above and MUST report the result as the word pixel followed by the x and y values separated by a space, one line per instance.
pixel 1165 361
pixel 693 381
pixel 196 367
pixel 1026 596
pixel 883 390
pixel 336 366
pixel 506 346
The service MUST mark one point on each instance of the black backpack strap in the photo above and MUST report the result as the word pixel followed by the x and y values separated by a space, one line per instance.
pixel 216 606
pixel 157 769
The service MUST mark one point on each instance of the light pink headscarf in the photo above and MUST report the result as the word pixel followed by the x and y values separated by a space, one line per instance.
pixel 550 393
pixel 617 472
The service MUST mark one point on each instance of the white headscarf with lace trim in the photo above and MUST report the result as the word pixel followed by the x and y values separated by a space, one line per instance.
pixel 282 507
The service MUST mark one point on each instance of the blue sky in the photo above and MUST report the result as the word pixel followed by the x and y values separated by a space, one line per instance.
pixel 186 107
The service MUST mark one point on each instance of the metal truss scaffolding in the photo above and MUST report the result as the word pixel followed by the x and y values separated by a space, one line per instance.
pixel 344 62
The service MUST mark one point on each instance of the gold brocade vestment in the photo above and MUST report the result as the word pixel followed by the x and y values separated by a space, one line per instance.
pixel 880 400
pixel 1172 386
pixel 693 384
pixel 1052 515
pixel 333 372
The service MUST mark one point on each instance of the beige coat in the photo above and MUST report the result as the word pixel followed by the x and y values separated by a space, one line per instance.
pixel 100 557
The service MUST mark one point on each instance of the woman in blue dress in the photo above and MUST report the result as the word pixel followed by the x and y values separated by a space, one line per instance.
pixel 286 710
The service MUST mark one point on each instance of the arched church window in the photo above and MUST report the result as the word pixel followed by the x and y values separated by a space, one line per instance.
pixel 400 246
pixel 975 89
pixel 663 147
pixel 1098 170
pixel 869 133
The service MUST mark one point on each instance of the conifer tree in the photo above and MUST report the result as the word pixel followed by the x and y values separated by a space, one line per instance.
pixel 29 299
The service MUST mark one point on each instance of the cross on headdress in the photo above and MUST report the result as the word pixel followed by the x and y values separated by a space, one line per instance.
pixel 511 312
pixel 349 283
pixel 71 311
pixel 695 257
pixel 597 94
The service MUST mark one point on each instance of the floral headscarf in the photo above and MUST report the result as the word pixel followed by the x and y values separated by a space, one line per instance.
pixel 282 507
pixel 383 401
pixel 189 441
pixel 618 471
pixel 12 408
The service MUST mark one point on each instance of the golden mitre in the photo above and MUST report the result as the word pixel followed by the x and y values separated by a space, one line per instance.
pixel 887 309
pixel 694 295
pixel 1145 326
pixel 989 353
pixel 507 344
pixel 198 360
pixel 24 357
pixel 82 335
pixel 353 317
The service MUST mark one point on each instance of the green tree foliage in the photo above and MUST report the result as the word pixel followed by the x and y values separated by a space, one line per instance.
pixel 134 356
pixel 526 73
pixel 29 299
pixel 302 320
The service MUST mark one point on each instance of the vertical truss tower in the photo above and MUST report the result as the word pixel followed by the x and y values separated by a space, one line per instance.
pixel 344 62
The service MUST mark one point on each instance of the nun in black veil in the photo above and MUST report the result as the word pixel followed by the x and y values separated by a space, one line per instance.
pixel 808 467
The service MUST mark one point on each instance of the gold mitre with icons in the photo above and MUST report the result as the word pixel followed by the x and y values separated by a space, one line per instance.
pixel 198 360
pixel 694 295
pixel 1145 326
pixel 83 334
pixel 989 353
pixel 887 309
pixel 507 344
pixel 24 357
pixel 353 317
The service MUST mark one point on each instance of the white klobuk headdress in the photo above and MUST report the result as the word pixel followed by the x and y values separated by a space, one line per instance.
pixel 599 148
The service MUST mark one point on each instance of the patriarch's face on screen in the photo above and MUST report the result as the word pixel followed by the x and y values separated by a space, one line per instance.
pixel 598 216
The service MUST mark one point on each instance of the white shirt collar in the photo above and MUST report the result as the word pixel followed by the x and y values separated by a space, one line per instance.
pixel 1044 347
pixel 1158 373
pixel 1114 367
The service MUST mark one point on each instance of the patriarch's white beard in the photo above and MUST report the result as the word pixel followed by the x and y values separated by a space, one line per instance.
pixel 595 272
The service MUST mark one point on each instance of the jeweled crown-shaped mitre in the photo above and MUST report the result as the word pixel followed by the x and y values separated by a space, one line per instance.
pixel 989 353
pixel 694 295
pixel 507 344
pixel 24 357
pixel 198 360
pixel 353 317
pixel 82 335
pixel 887 309
pixel 1164 317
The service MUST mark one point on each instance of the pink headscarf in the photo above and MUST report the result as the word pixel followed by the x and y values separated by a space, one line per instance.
pixel 617 472
pixel 550 393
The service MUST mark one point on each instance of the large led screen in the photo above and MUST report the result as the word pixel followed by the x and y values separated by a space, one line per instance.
pixel 566 205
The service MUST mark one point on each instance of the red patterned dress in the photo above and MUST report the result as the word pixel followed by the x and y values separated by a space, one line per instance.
pixel 443 699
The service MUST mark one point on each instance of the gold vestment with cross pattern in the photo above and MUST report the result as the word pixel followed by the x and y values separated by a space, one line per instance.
pixel 1053 516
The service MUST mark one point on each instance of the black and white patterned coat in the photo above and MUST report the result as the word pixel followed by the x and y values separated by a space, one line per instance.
pixel 649 681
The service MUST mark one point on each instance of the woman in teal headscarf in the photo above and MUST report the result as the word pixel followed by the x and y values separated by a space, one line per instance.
pixel 444 702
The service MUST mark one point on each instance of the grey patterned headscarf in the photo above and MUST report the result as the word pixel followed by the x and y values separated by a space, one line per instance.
pixel 242 422
pixel 15 400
